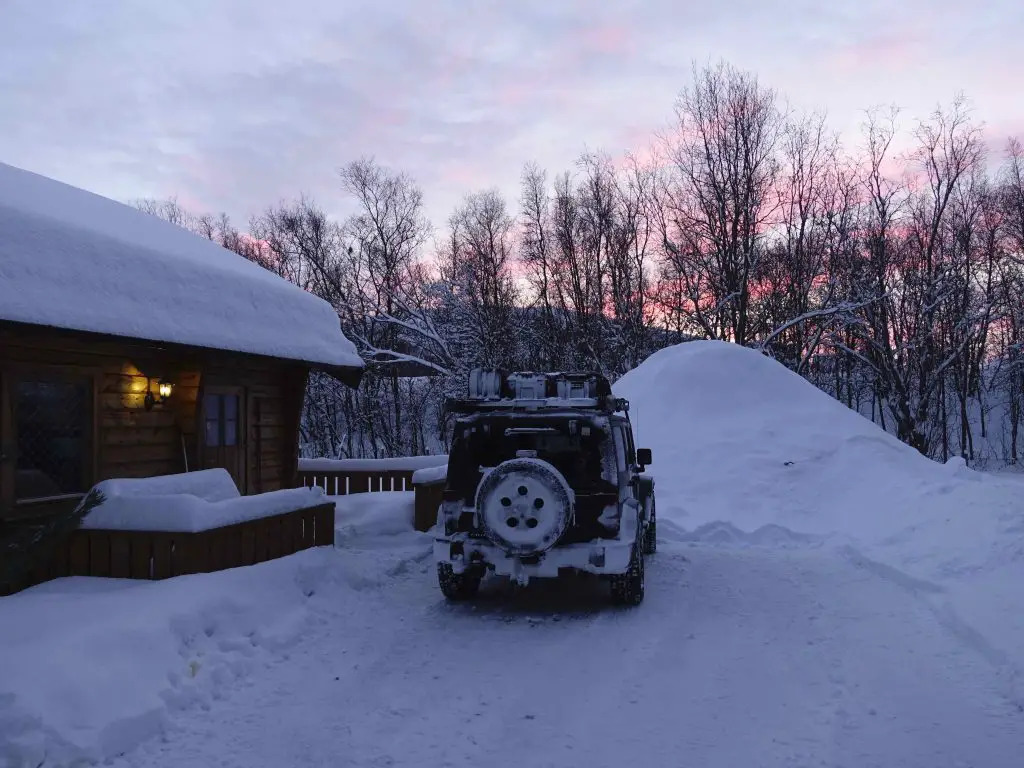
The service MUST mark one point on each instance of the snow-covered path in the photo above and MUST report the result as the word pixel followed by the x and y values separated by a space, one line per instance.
pixel 767 657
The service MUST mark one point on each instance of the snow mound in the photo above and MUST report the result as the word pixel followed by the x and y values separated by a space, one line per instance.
pixel 91 667
pixel 378 536
pixel 72 259
pixel 738 437
pixel 189 502
pixel 208 484
pixel 745 450
pixel 360 516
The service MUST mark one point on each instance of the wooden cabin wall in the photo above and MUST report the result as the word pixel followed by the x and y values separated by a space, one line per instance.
pixel 129 441
pixel 134 442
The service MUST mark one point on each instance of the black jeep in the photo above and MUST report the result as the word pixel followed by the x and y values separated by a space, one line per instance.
pixel 543 476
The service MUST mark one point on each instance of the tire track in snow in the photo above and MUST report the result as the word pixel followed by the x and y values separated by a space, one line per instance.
pixel 933 596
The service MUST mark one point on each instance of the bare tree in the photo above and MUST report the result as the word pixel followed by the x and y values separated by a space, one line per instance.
pixel 476 266
pixel 720 197
pixel 1010 355
pixel 218 228
pixel 536 258
pixel 907 271
pixel 300 243
pixel 901 295
pixel 799 283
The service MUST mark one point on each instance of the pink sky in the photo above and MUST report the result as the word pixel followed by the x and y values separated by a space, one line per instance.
pixel 235 105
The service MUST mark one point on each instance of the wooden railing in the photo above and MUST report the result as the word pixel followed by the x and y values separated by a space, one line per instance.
pixel 161 555
pixel 344 482
pixel 341 478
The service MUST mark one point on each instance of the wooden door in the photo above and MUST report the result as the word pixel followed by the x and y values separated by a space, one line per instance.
pixel 223 433
pixel 255 431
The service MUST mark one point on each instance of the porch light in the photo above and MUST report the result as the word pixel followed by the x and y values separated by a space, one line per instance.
pixel 164 388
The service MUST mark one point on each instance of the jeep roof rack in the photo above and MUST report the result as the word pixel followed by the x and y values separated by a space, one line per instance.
pixel 496 390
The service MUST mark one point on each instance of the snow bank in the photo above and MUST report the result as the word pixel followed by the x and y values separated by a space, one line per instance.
pixel 91 667
pixel 365 515
pixel 739 439
pixel 189 502
pixel 401 464
pixel 379 543
pixel 72 259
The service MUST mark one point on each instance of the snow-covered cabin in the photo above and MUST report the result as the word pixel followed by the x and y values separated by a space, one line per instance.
pixel 130 347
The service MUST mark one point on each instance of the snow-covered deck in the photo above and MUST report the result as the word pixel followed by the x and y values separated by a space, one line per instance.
pixel 173 525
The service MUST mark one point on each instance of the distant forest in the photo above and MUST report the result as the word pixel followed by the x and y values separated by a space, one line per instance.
pixel 893 282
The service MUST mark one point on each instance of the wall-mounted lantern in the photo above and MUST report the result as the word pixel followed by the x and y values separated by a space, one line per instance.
pixel 164 389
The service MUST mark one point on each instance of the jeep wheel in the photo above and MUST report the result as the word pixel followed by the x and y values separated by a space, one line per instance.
pixel 628 587
pixel 651 536
pixel 458 586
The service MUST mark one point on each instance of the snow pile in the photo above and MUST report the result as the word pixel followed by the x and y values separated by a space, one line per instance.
pixel 91 667
pixel 739 439
pixel 189 502
pixel 207 484
pixel 72 259
pixel 360 516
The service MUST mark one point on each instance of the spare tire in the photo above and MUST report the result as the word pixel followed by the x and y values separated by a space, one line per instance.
pixel 525 505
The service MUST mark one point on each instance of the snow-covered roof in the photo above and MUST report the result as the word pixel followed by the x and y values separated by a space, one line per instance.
pixel 72 259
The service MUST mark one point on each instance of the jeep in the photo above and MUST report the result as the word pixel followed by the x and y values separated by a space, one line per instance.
pixel 543 477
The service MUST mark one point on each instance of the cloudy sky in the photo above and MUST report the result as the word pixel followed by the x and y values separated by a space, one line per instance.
pixel 234 104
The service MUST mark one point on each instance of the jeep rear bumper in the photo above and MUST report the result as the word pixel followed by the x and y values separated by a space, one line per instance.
pixel 605 556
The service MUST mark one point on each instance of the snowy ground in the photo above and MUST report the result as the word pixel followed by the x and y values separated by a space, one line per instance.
pixel 740 656
pixel 857 607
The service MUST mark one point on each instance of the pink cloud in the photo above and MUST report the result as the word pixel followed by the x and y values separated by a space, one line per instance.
pixel 514 94
pixel 888 49
pixel 606 38
pixel 461 174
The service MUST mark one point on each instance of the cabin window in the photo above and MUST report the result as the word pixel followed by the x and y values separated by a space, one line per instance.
pixel 221 419
pixel 53 435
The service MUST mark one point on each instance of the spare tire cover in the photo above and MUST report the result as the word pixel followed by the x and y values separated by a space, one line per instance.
pixel 525 505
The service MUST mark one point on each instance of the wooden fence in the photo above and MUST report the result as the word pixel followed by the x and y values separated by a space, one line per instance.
pixel 161 555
